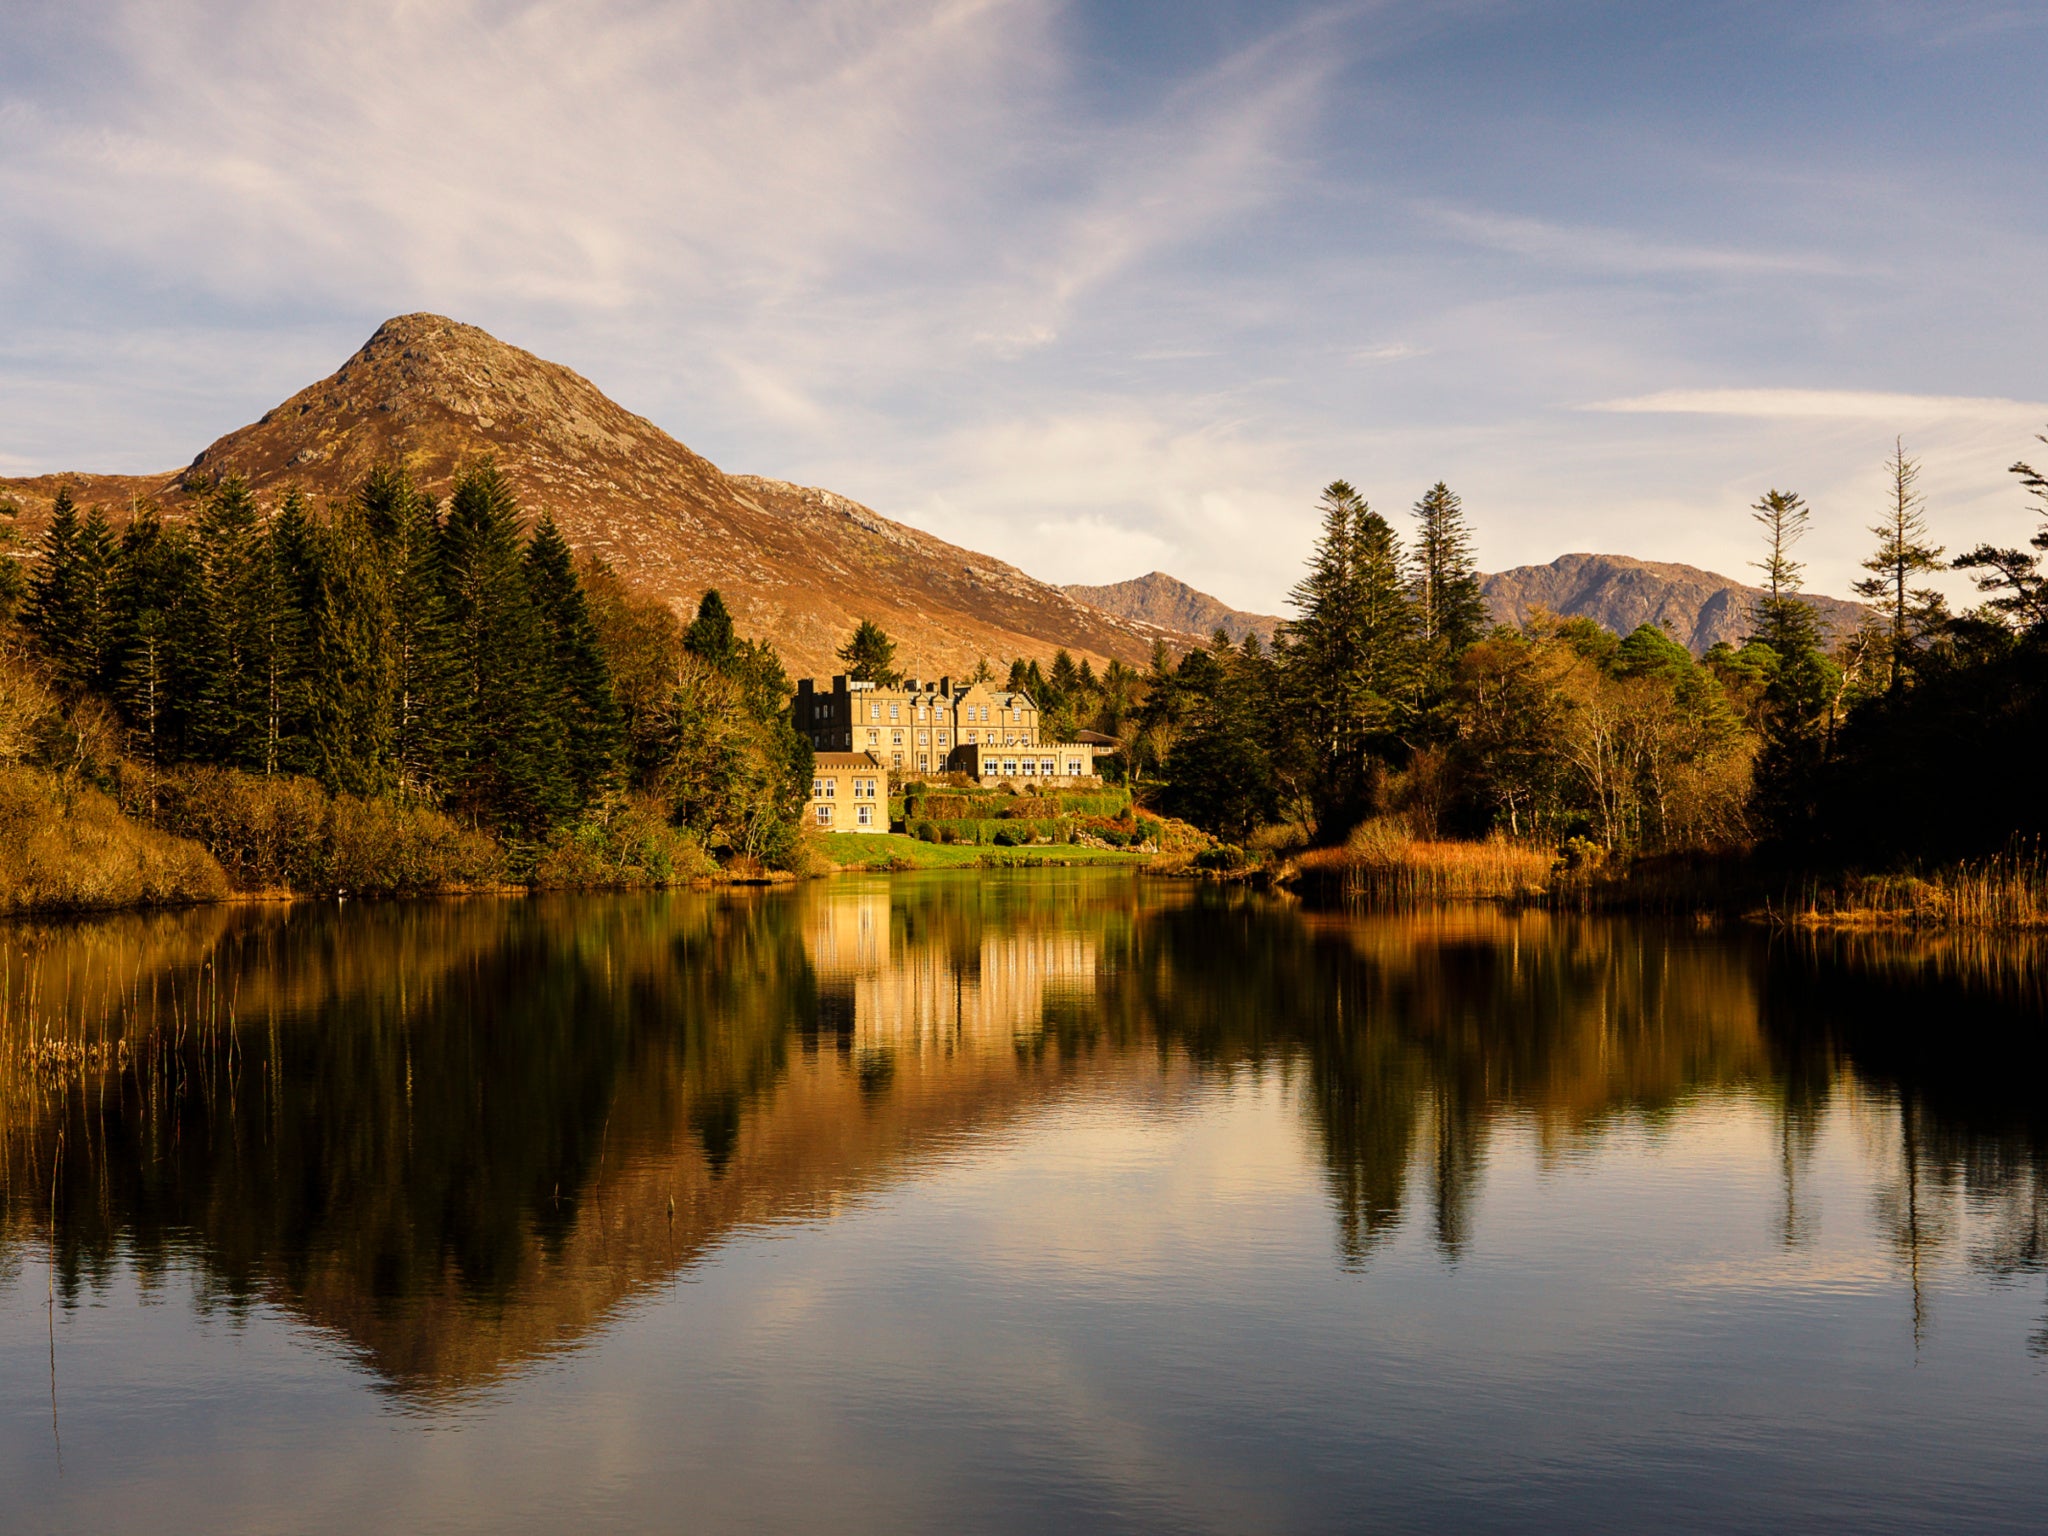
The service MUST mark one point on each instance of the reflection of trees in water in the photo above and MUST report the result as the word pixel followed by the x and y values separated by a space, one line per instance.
pixel 1420 1031
pixel 405 1095
pixel 435 1127
pixel 1949 1031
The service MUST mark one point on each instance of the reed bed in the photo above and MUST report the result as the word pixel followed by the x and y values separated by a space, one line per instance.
pixel 1383 863
pixel 2008 893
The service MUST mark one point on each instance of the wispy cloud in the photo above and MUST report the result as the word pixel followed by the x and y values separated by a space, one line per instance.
pixel 1620 251
pixel 1825 405
pixel 1085 284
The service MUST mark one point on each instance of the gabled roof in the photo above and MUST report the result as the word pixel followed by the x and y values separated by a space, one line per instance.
pixel 846 760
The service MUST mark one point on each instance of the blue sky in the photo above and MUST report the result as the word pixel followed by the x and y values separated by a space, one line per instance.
pixel 1097 287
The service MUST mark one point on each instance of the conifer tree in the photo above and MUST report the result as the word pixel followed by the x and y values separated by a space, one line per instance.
pixel 289 680
pixel 1801 680
pixel 870 655
pixel 579 683
pixel 2017 592
pixel 238 589
pixel 1222 772
pixel 348 623
pixel 67 594
pixel 1351 658
pixel 1064 681
pixel 1450 611
pixel 504 758
pixel 419 667
pixel 1903 553
pixel 154 660
pixel 710 637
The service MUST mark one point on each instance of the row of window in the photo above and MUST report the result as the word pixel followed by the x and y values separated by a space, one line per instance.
pixel 826 789
pixel 863 815
pixel 934 712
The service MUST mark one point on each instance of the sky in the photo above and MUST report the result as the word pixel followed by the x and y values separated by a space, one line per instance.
pixel 1096 286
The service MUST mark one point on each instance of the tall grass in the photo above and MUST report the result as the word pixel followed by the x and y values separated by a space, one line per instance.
pixel 1382 863
pixel 2006 893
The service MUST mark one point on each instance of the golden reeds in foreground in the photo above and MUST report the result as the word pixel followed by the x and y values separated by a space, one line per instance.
pixel 1382 862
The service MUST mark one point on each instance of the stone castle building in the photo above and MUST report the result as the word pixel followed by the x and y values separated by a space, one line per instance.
pixel 982 730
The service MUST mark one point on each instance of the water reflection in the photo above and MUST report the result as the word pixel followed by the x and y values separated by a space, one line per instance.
pixel 458 1136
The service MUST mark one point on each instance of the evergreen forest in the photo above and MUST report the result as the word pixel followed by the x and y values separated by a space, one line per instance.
pixel 447 691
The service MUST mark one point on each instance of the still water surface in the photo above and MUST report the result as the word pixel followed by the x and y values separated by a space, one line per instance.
pixel 1058 1200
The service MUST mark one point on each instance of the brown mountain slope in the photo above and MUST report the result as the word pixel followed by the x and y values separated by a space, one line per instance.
pixel 1161 600
pixel 799 566
pixel 1698 607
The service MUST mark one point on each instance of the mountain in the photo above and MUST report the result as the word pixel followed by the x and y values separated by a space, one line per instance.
pixel 797 565
pixel 1158 599
pixel 1697 607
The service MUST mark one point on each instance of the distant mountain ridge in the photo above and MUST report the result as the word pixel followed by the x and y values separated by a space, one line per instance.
pixel 797 565
pixel 1160 599
pixel 1698 608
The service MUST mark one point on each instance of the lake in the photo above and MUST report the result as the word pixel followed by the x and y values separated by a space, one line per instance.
pixel 1012 1202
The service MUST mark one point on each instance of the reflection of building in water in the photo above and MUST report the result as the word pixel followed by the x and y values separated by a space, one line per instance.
pixel 961 983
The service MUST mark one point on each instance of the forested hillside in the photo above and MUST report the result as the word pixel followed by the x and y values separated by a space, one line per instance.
pixel 259 678
pixel 800 564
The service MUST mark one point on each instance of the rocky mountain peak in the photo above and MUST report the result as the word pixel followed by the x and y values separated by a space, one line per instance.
pixel 797 565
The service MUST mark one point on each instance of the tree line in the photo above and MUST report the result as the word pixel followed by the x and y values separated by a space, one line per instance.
pixel 1391 693
pixel 387 646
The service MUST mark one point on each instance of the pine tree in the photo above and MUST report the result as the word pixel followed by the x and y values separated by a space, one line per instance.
pixel 2017 592
pixel 348 624
pixel 154 661
pixel 710 637
pixel 289 680
pixel 504 754
pixel 1350 662
pixel 1801 680
pixel 230 717
pixel 1903 553
pixel 66 608
pixel 870 656
pixel 579 683
pixel 419 667
pixel 1222 775
pixel 1450 610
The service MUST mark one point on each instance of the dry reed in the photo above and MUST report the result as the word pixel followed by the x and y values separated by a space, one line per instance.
pixel 1381 862
pixel 2006 893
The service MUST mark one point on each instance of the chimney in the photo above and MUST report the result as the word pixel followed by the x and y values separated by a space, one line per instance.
pixel 838 683
pixel 946 687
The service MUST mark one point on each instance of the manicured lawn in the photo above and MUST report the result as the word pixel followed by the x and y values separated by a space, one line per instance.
pixel 854 850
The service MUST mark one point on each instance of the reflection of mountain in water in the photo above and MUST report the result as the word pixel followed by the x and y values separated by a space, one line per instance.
pixel 460 1134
